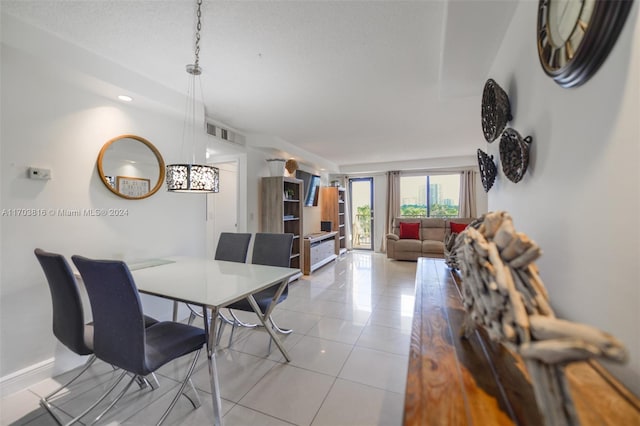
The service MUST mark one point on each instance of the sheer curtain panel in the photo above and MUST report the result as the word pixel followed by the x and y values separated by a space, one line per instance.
pixel 393 204
pixel 468 194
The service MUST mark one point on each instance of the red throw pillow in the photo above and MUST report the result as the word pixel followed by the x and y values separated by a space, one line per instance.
pixel 409 231
pixel 457 228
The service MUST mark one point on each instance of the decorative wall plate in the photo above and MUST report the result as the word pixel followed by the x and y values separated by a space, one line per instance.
pixel 575 36
pixel 496 110
pixel 488 170
pixel 514 154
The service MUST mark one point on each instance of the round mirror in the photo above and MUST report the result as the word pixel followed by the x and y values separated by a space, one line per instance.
pixel 131 167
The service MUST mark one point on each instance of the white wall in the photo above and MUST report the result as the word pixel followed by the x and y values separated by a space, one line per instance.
pixel 313 215
pixel 258 151
pixel 580 198
pixel 48 121
pixel 256 169
pixel 312 218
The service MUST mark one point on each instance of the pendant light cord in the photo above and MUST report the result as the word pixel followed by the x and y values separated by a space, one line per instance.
pixel 198 28
pixel 193 177
pixel 194 71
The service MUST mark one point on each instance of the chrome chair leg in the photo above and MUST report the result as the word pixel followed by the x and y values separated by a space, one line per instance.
pixel 278 329
pixel 223 318
pixel 233 329
pixel 243 324
pixel 45 403
pixel 193 314
pixel 153 383
pixel 143 382
pixel 237 322
pixel 95 404
pixel 220 330
pixel 195 401
pixel 114 402
pixel 181 391
pixel 87 364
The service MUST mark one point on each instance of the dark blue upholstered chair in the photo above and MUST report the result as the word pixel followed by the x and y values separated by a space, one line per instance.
pixel 68 318
pixel 232 247
pixel 120 337
pixel 273 250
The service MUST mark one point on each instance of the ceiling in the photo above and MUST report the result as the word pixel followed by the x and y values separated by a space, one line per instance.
pixel 353 82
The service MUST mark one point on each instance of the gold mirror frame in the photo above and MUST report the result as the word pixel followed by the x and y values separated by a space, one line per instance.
pixel 161 167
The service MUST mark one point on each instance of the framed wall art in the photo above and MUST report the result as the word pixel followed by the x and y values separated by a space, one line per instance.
pixel 132 186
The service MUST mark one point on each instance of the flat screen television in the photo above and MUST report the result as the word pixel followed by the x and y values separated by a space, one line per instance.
pixel 311 187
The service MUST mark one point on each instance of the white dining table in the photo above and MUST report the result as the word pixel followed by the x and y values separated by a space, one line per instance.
pixel 212 285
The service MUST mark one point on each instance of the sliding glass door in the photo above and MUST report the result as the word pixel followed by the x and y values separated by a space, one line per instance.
pixel 361 196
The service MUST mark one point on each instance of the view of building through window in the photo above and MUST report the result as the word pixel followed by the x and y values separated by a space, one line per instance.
pixel 430 196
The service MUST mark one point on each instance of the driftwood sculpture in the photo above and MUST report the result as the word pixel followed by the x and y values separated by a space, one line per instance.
pixel 502 292
pixel 452 243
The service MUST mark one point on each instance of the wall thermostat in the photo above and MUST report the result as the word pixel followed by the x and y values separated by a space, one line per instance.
pixel 37 173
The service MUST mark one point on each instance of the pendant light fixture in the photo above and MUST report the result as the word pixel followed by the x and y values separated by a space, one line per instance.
pixel 192 177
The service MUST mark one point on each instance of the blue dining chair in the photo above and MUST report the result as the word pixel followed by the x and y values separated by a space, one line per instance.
pixel 233 246
pixel 68 319
pixel 268 249
pixel 120 337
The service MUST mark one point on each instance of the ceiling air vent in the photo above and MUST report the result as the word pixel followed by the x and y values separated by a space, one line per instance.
pixel 211 129
pixel 225 134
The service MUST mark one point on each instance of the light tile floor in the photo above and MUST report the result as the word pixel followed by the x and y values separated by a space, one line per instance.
pixel 349 350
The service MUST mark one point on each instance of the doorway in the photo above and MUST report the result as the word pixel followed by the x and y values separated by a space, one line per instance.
pixel 361 196
pixel 222 207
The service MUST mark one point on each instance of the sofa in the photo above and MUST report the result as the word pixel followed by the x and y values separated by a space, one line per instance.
pixel 411 238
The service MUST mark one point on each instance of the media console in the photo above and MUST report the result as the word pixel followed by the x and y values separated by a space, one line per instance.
pixel 319 249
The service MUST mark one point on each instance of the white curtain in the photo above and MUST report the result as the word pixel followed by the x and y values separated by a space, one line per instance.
pixel 468 194
pixel 393 205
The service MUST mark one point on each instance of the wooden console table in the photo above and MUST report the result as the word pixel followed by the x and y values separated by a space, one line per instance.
pixel 319 249
pixel 456 381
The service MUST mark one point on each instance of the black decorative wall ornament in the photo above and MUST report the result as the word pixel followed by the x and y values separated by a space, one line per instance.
pixel 496 110
pixel 488 170
pixel 514 154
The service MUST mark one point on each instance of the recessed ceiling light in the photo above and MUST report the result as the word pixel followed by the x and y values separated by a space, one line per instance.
pixel 125 98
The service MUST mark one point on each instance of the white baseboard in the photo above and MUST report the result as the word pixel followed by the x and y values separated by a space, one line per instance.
pixel 23 379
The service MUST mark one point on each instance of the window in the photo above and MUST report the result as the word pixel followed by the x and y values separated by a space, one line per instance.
pixel 430 195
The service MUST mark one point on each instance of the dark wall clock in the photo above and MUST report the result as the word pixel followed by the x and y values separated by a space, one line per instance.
pixel 575 36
